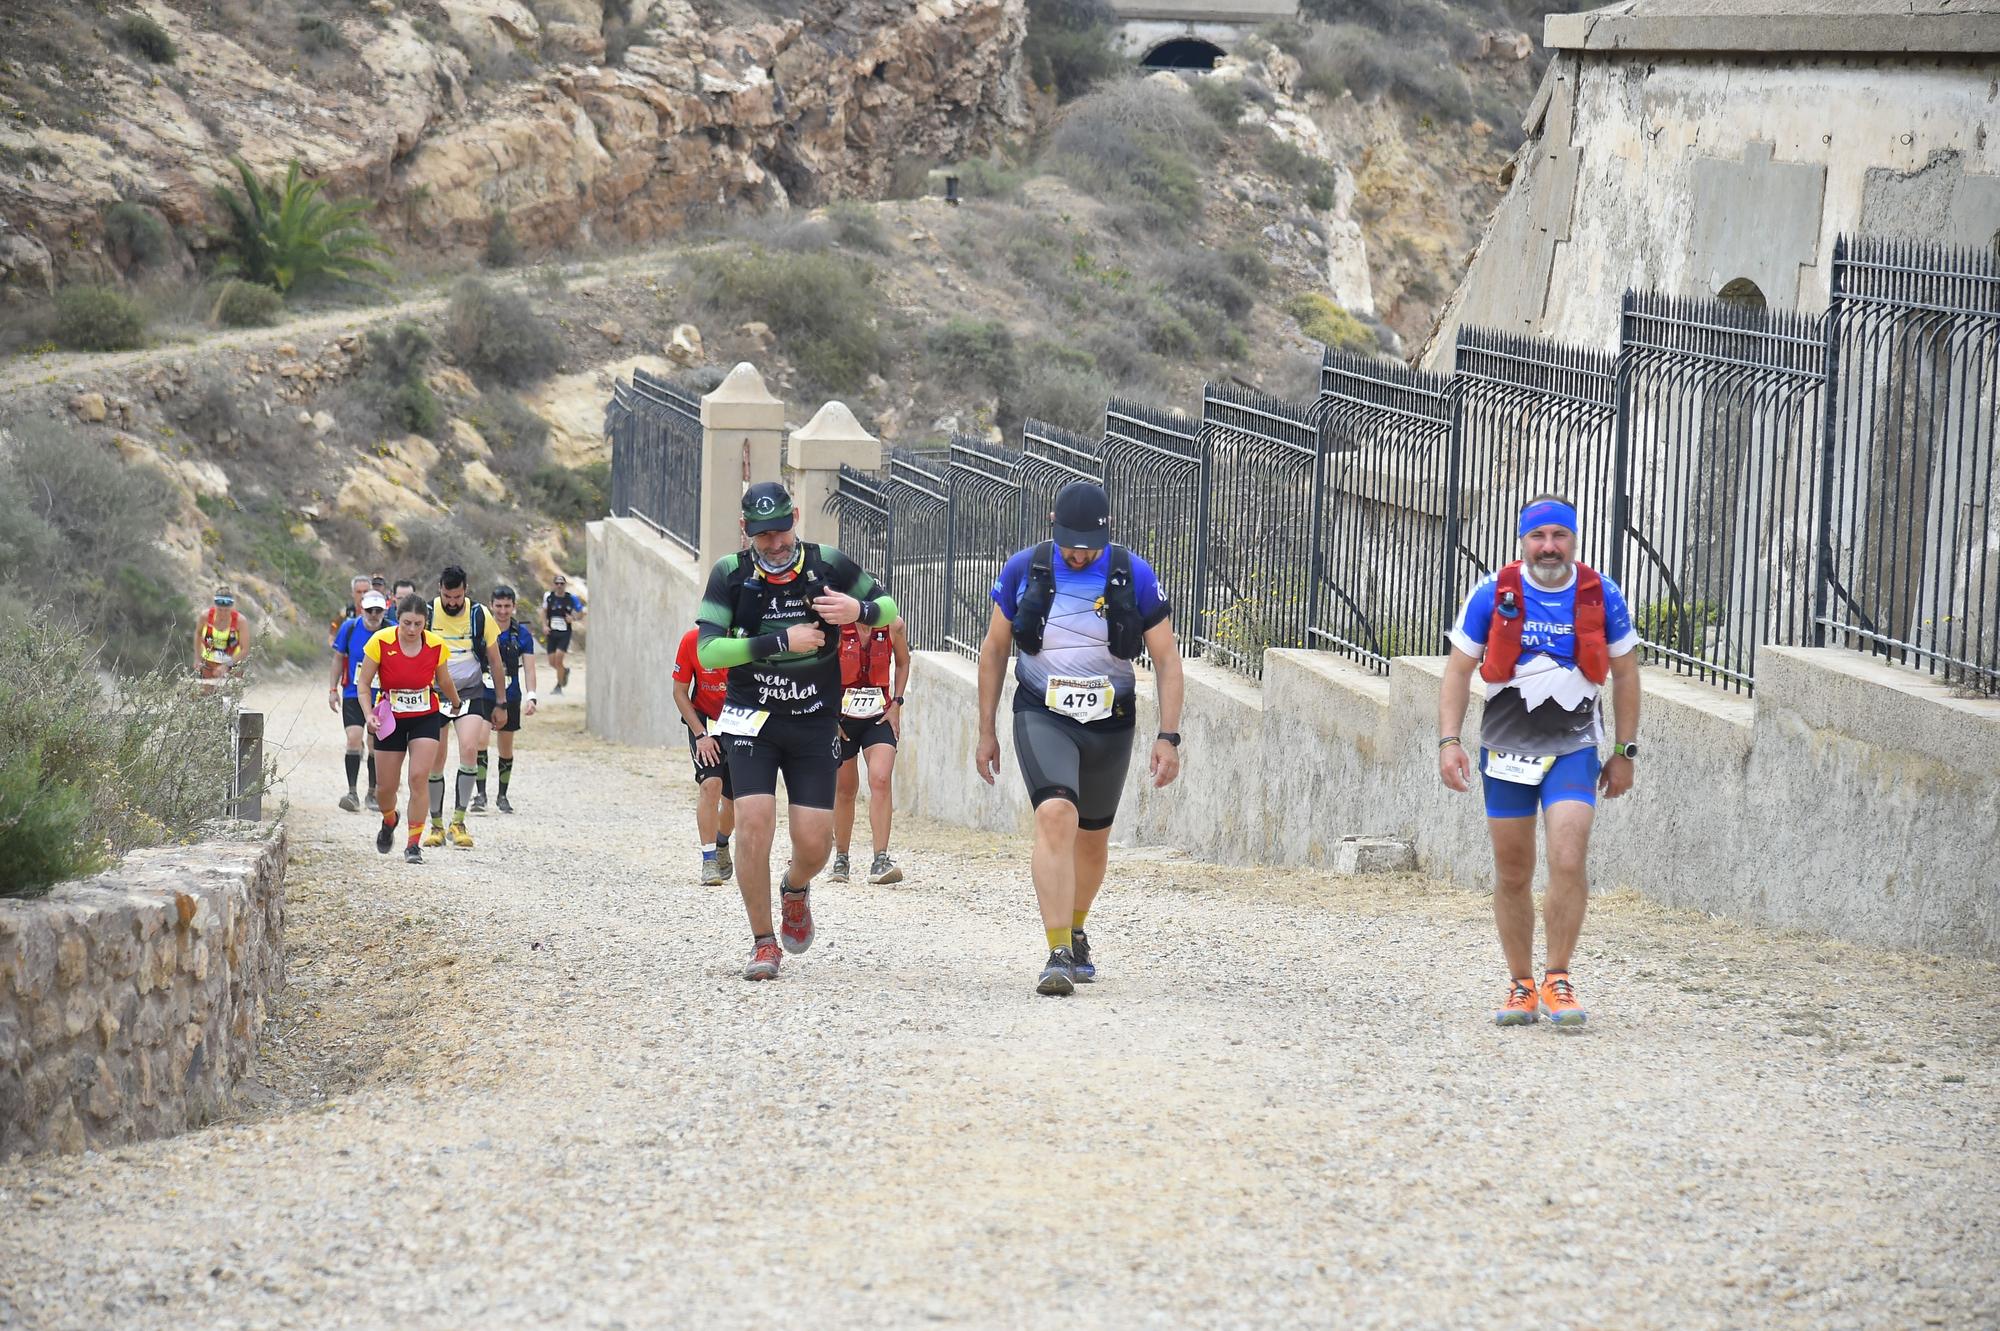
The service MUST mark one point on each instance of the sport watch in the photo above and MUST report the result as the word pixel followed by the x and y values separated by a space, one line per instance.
pixel 1172 737
pixel 1625 750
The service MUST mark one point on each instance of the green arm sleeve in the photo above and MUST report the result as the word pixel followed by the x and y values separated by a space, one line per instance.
pixel 721 653
pixel 885 610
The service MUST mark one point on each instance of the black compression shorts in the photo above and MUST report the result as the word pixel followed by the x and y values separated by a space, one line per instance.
pixel 805 749
pixel 557 641
pixel 1065 759
pixel 703 772
pixel 513 715
pixel 351 713
pixel 409 730
pixel 856 735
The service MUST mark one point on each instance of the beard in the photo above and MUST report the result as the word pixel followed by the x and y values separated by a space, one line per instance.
pixel 1550 571
pixel 775 562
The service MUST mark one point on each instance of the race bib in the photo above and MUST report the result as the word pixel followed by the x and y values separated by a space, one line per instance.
pixel 406 701
pixel 1080 697
pixel 740 721
pixel 487 679
pixel 557 624
pixel 1519 768
pixel 862 704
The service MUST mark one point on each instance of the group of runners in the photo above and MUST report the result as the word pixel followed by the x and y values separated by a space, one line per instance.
pixel 798 665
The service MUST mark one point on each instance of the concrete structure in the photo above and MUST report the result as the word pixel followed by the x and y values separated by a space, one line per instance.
pixel 742 439
pixel 1181 34
pixel 644 591
pixel 814 456
pixel 132 1002
pixel 1717 147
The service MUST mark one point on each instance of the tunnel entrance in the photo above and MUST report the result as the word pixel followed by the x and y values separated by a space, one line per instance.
pixel 1183 53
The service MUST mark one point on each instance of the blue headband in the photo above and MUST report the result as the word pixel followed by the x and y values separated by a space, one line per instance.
pixel 1548 513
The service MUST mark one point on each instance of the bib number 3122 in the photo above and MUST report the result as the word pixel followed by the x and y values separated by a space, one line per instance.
pixel 1521 769
pixel 1080 697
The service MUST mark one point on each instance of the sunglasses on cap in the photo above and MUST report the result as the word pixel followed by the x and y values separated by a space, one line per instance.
pixel 225 600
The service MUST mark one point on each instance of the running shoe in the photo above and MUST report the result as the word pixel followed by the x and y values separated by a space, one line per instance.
pixel 478 802
pixel 1559 1000
pixel 385 836
pixel 373 804
pixel 460 837
pixel 1059 975
pixel 711 872
pixel 1079 952
pixel 502 805
pixel 797 929
pixel 723 862
pixel 411 855
pixel 350 802
pixel 764 962
pixel 1520 1007
pixel 838 870
pixel 435 837
pixel 884 870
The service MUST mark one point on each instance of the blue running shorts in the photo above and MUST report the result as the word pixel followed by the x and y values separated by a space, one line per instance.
pixel 1574 777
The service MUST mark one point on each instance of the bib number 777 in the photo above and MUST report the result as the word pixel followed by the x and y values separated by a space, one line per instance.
pixel 1080 697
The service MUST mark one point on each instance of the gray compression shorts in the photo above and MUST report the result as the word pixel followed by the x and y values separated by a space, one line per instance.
pixel 1065 759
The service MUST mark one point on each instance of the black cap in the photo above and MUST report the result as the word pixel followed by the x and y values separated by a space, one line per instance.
pixel 1083 517
pixel 766 507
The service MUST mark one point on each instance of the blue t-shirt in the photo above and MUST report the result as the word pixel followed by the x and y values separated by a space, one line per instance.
pixel 1076 641
pixel 349 640
pixel 1511 723
pixel 515 643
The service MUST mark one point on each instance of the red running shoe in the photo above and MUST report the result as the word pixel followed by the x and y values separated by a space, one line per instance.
pixel 797 929
pixel 764 962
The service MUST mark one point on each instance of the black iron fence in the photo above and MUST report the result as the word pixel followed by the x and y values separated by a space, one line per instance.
pixel 1747 477
pixel 655 432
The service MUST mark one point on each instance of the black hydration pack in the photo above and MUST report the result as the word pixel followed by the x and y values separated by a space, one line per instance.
pixel 1124 629
pixel 753 593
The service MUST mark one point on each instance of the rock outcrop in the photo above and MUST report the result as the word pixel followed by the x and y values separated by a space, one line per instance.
pixel 691 117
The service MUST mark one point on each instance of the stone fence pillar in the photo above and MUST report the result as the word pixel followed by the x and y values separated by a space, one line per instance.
pixel 742 438
pixel 812 466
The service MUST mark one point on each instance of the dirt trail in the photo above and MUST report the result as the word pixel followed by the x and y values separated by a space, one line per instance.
pixel 523 1085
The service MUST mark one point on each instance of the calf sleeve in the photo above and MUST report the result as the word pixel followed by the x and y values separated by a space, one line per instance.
pixel 506 773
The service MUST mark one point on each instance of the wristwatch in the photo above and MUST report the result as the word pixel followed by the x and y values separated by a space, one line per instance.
pixel 898 700
pixel 1172 737
pixel 1625 750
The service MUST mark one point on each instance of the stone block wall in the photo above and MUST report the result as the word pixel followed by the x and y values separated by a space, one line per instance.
pixel 131 1003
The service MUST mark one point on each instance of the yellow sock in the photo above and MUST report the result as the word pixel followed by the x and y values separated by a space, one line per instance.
pixel 1057 938
pixel 1076 920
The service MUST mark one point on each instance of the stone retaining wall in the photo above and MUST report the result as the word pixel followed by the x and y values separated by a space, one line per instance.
pixel 131 1003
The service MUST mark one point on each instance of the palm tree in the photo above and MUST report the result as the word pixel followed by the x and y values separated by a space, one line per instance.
pixel 282 234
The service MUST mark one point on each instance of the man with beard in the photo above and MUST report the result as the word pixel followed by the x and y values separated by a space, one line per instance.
pixel 1545 633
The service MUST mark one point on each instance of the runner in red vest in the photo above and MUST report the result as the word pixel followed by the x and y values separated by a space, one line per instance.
pixel 220 637
pixel 1544 634
pixel 698 695
pixel 874 674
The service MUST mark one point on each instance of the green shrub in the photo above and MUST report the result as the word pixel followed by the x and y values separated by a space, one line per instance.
pixel 1056 390
pixel 856 226
pixel 395 385
pixel 429 544
pixel 1070 45
pixel 503 248
pixel 497 334
pixel 1287 161
pixel 1248 265
pixel 517 436
pixel 98 319
pixel 135 232
pixel 248 305
pixel 1137 143
pixel 206 409
pixel 986 178
pixel 283 233
pixel 1350 58
pixel 319 34
pixel 1208 278
pixel 1169 333
pixel 974 351
pixel 415 408
pixel 144 35
pixel 823 308
pixel 1322 320
pixel 88 772
pixel 573 494
pixel 1221 98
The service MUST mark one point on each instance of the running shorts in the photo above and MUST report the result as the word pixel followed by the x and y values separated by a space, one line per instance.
pixel 703 772
pixel 805 749
pixel 409 729
pixel 351 713
pixel 513 716
pixel 1574 777
pixel 859 734
pixel 557 641
pixel 1065 759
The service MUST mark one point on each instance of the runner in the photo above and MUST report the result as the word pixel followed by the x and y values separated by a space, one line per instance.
pixel 562 615
pixel 1080 609
pixel 220 639
pixel 1544 644
pixel 765 617
pixel 871 721
pixel 517 653
pixel 409 664
pixel 714 802
pixel 356 586
pixel 349 642
pixel 469 632
pixel 404 587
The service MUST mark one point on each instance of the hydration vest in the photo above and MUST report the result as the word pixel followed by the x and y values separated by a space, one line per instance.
pixel 864 663
pixel 753 591
pixel 218 643
pixel 1124 629
pixel 1503 634
pixel 475 624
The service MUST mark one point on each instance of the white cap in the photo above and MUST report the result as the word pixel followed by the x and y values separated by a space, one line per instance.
pixel 374 601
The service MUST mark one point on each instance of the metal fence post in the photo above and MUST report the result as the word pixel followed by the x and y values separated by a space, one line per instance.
pixel 1454 459
pixel 1621 445
pixel 1829 438
pixel 246 791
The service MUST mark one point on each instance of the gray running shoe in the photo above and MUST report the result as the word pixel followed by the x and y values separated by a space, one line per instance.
pixel 1080 963
pixel 502 805
pixel 350 803
pixel 1057 980
pixel 885 870
pixel 374 804
pixel 723 862
pixel 478 804
pixel 837 871
pixel 411 855
pixel 711 873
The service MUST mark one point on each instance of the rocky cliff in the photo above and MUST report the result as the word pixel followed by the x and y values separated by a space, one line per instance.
pixel 448 111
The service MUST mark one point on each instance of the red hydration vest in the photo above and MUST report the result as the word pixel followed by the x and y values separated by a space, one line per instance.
pixel 864 665
pixel 1503 635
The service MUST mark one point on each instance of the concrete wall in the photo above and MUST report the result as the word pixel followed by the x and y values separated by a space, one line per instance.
pixel 644 592
pixel 1854 798
pixel 1681 172
pixel 131 1003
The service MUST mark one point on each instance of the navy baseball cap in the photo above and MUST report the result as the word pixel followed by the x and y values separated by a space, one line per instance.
pixel 1083 517
pixel 766 507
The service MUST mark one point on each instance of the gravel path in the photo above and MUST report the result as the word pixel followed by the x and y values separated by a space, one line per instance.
pixel 524 1086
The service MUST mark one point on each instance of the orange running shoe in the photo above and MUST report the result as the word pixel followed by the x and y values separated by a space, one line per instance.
pixel 1559 1000
pixel 1519 1009
pixel 764 961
